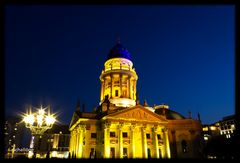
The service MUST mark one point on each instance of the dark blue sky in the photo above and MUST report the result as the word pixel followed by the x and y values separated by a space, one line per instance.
pixel 183 55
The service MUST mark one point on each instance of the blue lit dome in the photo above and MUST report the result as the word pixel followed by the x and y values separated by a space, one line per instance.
pixel 118 51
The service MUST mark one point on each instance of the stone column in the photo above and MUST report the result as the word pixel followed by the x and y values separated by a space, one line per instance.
pixel 131 91
pixel 103 89
pixel 129 87
pixel 74 145
pixel 77 135
pixel 120 82
pixel 80 141
pixel 120 126
pixel 111 92
pixel 106 140
pixel 133 126
pixel 70 143
pixel 166 143
pixel 134 89
pixel 83 141
pixel 101 95
pixel 144 142
pixel 155 141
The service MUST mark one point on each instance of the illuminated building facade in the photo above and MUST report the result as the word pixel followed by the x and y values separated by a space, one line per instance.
pixel 120 127
pixel 54 142
pixel 15 136
pixel 210 131
pixel 225 127
pixel 220 140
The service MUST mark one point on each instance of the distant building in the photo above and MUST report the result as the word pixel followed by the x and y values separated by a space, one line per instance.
pixel 16 136
pixel 227 126
pixel 54 143
pixel 120 127
pixel 210 131
pixel 219 138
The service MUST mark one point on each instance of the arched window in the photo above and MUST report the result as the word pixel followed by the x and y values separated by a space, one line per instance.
pixel 184 146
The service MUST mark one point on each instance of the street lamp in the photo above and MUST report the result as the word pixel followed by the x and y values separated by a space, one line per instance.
pixel 38 122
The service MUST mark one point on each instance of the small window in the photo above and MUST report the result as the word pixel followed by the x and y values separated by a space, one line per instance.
pixel 94 135
pixel 116 93
pixel 124 134
pixel 112 134
pixel 148 136
pixel 158 136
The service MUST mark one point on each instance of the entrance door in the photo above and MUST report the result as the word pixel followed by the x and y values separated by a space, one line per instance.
pixel 112 152
pixel 149 153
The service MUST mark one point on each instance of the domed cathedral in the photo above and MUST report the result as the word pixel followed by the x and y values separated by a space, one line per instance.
pixel 120 127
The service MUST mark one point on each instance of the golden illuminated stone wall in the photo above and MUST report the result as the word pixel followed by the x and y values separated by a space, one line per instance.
pixel 186 139
pixel 133 133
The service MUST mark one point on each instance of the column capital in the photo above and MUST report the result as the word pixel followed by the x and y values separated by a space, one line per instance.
pixel 78 130
pixel 133 126
pixel 144 127
pixel 74 131
pixel 83 126
pixel 164 129
pixel 107 125
pixel 120 125
pixel 155 128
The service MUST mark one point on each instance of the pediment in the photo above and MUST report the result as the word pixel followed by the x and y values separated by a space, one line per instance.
pixel 74 119
pixel 138 113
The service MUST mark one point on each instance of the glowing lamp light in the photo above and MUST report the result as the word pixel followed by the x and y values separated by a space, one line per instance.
pixel 50 120
pixel 29 119
pixel 41 112
pixel 39 121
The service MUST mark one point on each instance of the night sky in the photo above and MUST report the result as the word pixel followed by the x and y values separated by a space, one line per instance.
pixel 183 55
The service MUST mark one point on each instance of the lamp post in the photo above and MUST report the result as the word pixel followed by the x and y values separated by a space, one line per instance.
pixel 38 122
